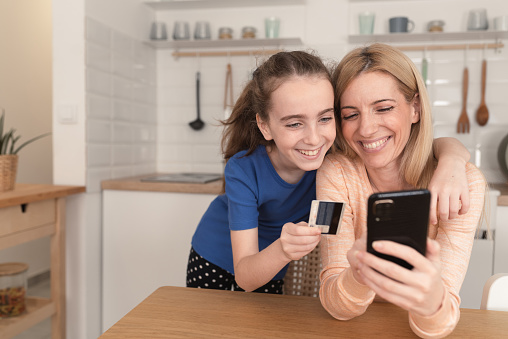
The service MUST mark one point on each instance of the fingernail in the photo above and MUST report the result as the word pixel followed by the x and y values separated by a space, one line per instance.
pixel 377 245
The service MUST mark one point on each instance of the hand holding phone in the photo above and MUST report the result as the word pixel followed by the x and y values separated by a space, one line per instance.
pixel 327 215
pixel 402 217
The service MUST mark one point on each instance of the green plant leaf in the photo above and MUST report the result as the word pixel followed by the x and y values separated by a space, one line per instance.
pixel 13 143
pixel 5 143
pixel 30 141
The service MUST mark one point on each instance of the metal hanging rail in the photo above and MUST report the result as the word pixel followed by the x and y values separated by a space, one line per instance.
pixel 496 45
pixel 178 54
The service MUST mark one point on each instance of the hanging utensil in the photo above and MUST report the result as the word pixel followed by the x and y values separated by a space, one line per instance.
pixel 228 89
pixel 482 113
pixel 198 123
pixel 463 123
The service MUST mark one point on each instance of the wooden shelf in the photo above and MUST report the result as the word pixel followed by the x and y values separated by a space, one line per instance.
pixel 194 44
pixel 203 4
pixel 38 309
pixel 428 37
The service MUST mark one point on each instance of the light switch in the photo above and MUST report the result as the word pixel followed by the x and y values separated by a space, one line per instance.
pixel 67 114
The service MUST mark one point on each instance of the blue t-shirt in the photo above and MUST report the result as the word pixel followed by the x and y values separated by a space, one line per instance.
pixel 256 196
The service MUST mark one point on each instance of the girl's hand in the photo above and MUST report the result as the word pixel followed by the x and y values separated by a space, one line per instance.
pixel 297 240
pixel 420 290
pixel 360 245
pixel 449 190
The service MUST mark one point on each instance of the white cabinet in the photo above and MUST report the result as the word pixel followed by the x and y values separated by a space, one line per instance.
pixel 146 243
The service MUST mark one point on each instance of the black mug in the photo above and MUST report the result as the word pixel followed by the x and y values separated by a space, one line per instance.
pixel 401 24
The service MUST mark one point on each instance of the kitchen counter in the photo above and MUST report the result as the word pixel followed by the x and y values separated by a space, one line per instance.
pixel 502 200
pixel 135 184
pixel 215 187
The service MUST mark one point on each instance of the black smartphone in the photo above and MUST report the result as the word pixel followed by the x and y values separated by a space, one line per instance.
pixel 327 215
pixel 401 217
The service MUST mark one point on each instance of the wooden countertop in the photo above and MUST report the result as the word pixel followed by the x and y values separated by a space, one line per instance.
pixel 180 312
pixel 502 200
pixel 26 193
pixel 135 184
pixel 215 187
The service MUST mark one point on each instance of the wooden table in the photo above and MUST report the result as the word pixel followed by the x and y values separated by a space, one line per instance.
pixel 29 212
pixel 176 312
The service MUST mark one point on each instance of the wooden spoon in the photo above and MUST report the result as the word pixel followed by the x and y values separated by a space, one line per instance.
pixel 482 113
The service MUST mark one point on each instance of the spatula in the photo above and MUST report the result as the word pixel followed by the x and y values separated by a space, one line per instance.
pixel 482 113
pixel 463 123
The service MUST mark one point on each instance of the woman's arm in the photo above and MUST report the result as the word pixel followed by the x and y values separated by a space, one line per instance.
pixel 449 188
pixel 341 294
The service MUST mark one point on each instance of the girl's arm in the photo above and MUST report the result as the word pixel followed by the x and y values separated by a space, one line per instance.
pixel 449 187
pixel 253 268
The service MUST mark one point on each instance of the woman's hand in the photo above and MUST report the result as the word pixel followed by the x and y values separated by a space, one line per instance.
pixel 420 290
pixel 297 240
pixel 449 190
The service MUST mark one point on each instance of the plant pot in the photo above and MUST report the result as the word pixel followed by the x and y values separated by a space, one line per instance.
pixel 8 170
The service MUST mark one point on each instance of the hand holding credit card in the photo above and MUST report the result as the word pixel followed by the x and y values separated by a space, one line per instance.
pixel 327 215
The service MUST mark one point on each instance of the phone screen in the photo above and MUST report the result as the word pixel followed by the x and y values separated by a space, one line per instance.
pixel 402 217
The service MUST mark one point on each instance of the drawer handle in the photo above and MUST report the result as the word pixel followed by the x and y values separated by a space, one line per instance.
pixel 23 208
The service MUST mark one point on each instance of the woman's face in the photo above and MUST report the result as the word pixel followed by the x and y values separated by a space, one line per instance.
pixel 301 124
pixel 376 119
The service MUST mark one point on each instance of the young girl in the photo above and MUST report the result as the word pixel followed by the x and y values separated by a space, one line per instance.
pixel 276 138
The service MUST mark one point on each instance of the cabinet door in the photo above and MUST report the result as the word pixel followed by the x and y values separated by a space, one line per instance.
pixel 479 270
pixel 146 243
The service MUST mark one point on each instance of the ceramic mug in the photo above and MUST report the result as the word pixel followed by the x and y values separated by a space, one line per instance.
pixel 202 30
pixel 401 24
pixel 181 30
pixel 366 22
pixel 501 23
pixel 477 20
pixel 158 31
pixel 272 25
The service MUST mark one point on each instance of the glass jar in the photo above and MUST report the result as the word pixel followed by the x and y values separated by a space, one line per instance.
pixel 12 289
pixel 435 26
pixel 225 33
pixel 248 32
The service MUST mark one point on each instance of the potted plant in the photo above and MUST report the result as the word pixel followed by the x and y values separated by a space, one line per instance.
pixel 8 155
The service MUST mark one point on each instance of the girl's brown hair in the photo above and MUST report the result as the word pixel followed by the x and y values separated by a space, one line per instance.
pixel 417 159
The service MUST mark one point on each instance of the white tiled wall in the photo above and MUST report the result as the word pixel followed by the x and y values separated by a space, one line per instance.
pixel 120 105
pixel 182 149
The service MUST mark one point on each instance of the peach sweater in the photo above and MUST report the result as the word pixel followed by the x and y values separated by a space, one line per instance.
pixel 344 179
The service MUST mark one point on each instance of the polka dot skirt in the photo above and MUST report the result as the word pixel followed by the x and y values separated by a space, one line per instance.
pixel 203 274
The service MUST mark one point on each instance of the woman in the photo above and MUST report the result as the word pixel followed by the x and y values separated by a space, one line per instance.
pixel 385 135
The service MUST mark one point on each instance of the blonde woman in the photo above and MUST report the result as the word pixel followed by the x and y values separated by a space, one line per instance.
pixel 385 138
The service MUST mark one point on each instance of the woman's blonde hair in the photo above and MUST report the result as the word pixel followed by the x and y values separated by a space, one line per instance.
pixel 418 163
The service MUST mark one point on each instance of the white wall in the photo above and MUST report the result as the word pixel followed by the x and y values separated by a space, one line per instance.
pixel 25 94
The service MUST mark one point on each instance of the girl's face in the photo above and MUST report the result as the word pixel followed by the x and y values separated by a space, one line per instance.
pixel 376 119
pixel 301 124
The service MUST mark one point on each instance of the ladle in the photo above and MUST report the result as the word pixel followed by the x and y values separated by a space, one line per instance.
pixel 198 123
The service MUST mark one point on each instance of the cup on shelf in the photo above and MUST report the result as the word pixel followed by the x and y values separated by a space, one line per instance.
pixel 272 25
pixel 401 24
pixel 181 30
pixel 225 33
pixel 435 26
pixel 202 30
pixel 158 31
pixel 501 23
pixel 366 22
pixel 477 20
